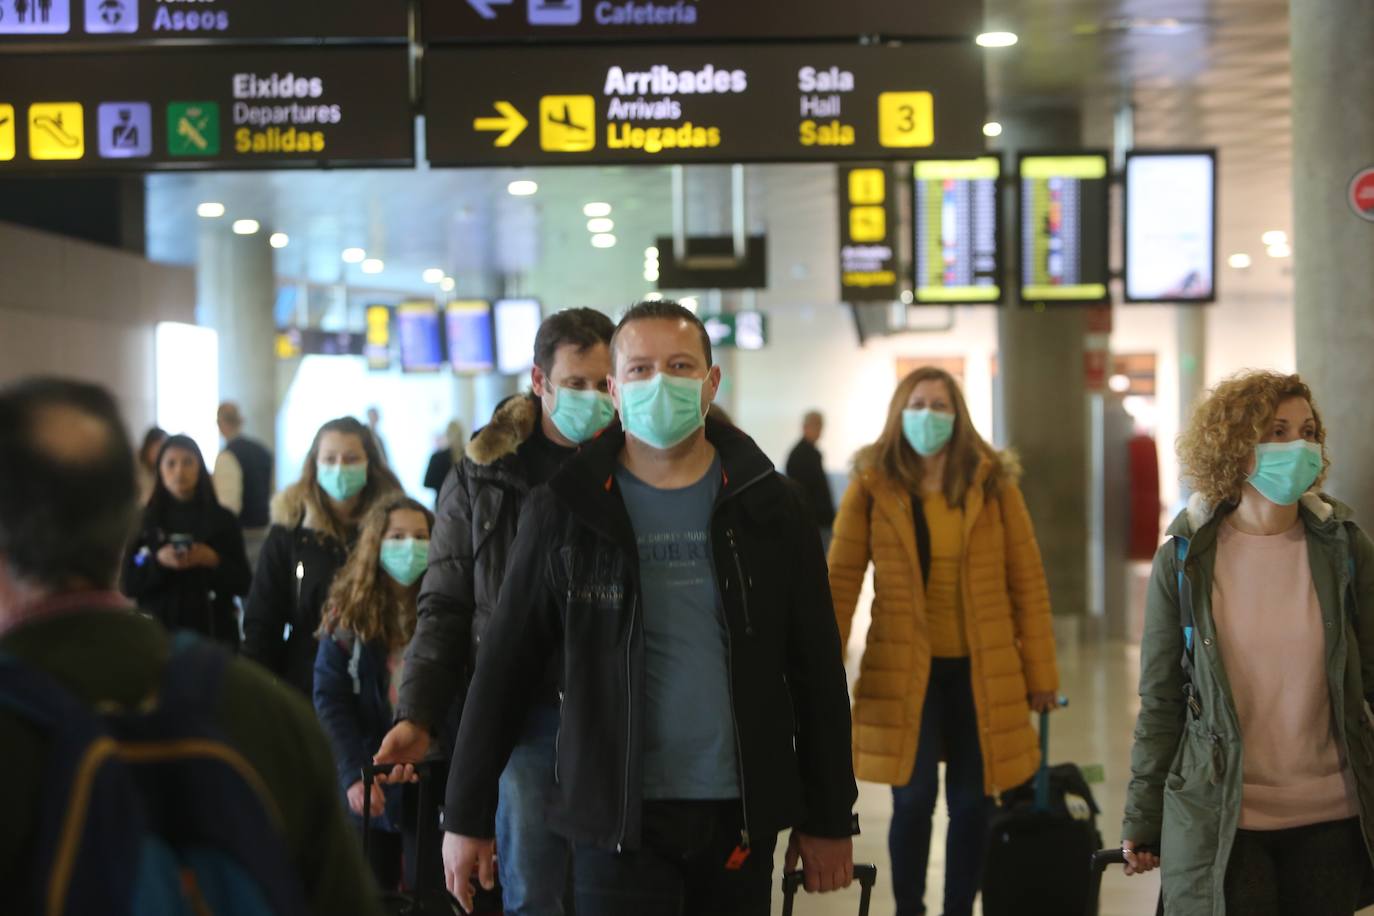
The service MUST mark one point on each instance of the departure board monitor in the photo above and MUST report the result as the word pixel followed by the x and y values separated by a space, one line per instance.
pixel 1170 216
pixel 422 349
pixel 470 345
pixel 954 224
pixel 517 323
pixel 1064 231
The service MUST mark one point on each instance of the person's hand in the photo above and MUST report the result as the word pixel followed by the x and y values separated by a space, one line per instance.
pixel 827 864
pixel 1139 863
pixel 462 856
pixel 1043 702
pixel 170 557
pixel 355 799
pixel 406 744
pixel 202 555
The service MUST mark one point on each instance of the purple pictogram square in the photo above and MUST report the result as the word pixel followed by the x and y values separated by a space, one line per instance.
pixel 126 130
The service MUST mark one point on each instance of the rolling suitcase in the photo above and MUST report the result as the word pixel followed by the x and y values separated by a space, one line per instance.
pixel 1041 842
pixel 866 875
pixel 1101 860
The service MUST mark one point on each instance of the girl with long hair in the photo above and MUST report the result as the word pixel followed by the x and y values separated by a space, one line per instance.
pixel 187 563
pixel 314 525
pixel 961 647
pixel 370 618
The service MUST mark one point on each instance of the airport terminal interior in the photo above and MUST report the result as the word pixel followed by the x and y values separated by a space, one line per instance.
pixel 1087 212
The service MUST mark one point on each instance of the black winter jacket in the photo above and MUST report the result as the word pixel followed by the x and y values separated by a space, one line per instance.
pixel 198 599
pixel 572 590
pixel 290 586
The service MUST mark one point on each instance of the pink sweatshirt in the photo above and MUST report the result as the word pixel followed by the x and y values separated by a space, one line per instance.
pixel 1273 644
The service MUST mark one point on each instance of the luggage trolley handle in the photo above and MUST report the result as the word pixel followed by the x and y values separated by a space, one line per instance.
pixel 866 875
pixel 1104 859
pixel 370 772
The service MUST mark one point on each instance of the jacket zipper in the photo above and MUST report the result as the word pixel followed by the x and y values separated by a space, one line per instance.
pixel 629 724
pixel 558 739
pixel 745 583
pixel 300 577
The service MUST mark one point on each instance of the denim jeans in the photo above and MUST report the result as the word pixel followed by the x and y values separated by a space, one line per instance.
pixel 680 868
pixel 534 862
pixel 949 730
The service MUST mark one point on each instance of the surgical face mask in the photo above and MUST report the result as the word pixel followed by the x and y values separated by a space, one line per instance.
pixel 663 411
pixel 405 559
pixel 580 415
pixel 927 431
pixel 1284 471
pixel 342 481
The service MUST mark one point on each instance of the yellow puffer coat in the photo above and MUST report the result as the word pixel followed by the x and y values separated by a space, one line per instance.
pixel 1006 614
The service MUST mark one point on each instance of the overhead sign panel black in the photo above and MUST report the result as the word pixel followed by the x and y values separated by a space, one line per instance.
pixel 868 230
pixel 205 108
pixel 1064 229
pixel 698 103
pixel 59 23
pixel 551 20
pixel 954 230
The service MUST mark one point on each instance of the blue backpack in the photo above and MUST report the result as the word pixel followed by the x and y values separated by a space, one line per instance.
pixel 150 812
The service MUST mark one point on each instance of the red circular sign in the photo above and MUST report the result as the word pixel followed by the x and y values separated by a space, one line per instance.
pixel 1362 194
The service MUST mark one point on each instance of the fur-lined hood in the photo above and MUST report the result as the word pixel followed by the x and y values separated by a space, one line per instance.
pixel 289 509
pixel 511 425
pixel 1200 513
pixel 992 473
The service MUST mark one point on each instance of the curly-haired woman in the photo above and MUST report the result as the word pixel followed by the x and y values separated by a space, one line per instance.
pixel 1253 767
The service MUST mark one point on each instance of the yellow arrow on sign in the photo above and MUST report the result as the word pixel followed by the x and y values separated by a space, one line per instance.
pixel 511 122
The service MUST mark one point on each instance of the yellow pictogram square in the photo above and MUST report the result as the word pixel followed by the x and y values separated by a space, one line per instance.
pixel 867 186
pixel 567 123
pixel 6 133
pixel 56 131
pixel 906 119
pixel 868 224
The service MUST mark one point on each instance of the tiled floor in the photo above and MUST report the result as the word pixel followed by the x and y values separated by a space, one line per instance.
pixel 1100 681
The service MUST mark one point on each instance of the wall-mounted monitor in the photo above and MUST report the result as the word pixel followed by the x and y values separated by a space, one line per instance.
pixel 471 348
pixel 954 230
pixel 422 348
pixel 1170 226
pixel 1064 227
pixel 517 322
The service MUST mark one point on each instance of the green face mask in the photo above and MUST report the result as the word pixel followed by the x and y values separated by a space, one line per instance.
pixel 663 411
pixel 342 481
pixel 1284 471
pixel 927 431
pixel 405 560
pixel 580 415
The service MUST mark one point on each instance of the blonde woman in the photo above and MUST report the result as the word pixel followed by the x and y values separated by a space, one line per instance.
pixel 1253 767
pixel 961 647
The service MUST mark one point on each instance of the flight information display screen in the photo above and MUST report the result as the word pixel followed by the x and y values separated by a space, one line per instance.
pixel 1171 247
pixel 1064 231
pixel 422 349
pixel 470 344
pixel 954 224
pixel 517 323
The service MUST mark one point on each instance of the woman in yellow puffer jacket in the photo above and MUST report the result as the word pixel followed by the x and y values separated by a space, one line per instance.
pixel 961 647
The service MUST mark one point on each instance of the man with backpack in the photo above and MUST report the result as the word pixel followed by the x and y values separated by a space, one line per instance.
pixel 143 772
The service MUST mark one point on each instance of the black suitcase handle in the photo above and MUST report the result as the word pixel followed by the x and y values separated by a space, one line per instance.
pixel 1101 861
pixel 866 875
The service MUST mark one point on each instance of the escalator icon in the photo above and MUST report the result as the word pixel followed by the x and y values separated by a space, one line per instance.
pixel 56 131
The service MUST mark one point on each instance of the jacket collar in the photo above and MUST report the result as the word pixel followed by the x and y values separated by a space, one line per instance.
pixel 1198 522
pixel 511 426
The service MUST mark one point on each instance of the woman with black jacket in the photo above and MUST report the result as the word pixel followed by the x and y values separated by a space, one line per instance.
pixel 187 563
pixel 314 526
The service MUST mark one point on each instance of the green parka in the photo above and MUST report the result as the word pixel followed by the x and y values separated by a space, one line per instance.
pixel 1186 766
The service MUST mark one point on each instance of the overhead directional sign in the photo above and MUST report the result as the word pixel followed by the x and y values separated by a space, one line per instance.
pixel 868 232
pixel 83 23
pixel 551 20
pixel 697 103
pixel 206 108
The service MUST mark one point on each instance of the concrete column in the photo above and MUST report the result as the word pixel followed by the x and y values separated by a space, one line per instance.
pixel 1044 413
pixel 235 293
pixel 1333 138
pixel 1191 330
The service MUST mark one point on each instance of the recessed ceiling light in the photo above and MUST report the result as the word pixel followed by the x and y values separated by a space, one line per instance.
pixel 1281 250
pixel 433 275
pixel 354 255
pixel 908 297
pixel 279 240
pixel 651 254
pixel 1240 260
pixel 996 39
pixel 653 297
pixel 651 275
pixel 522 188
pixel 600 224
pixel 373 266
pixel 245 226
pixel 447 284
pixel 992 129
pixel 603 240
pixel 689 303
pixel 1119 383
pixel 597 209
pixel 1274 237
pixel 210 210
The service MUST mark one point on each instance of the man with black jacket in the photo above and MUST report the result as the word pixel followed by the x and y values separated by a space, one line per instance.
pixel 806 467
pixel 680 582
pixel 528 439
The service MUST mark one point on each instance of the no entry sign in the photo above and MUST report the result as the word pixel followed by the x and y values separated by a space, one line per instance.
pixel 1362 194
